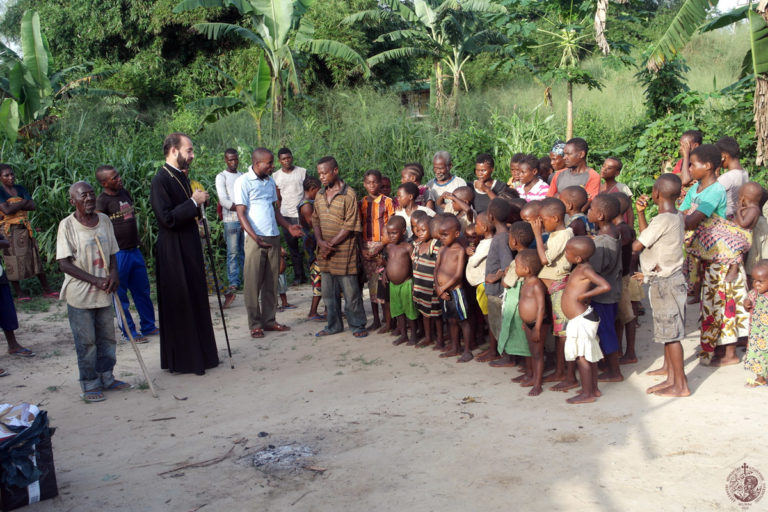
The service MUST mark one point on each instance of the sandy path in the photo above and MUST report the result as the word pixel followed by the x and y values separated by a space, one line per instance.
pixel 395 428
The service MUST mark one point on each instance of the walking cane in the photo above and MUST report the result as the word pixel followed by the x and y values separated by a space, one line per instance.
pixel 120 311
pixel 216 280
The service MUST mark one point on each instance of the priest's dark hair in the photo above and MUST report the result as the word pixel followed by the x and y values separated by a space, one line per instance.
pixel 173 141
pixel 328 160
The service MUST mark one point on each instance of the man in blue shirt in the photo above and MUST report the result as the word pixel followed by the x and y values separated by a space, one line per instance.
pixel 255 200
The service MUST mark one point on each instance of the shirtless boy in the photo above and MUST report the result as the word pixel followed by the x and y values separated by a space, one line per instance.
pixel 531 308
pixel 449 274
pixel 398 275
pixel 581 342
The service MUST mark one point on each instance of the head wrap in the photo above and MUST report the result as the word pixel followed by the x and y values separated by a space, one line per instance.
pixel 558 148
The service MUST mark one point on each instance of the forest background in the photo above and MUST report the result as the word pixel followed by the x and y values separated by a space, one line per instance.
pixel 137 70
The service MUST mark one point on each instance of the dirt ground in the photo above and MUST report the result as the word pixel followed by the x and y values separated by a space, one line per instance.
pixel 380 428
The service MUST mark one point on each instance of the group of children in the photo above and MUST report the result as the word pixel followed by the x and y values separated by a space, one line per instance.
pixel 523 265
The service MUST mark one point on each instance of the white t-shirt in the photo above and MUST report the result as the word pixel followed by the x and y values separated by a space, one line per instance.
pixel 79 242
pixel 438 189
pixel 401 213
pixel 663 241
pixel 225 189
pixel 732 181
pixel 291 185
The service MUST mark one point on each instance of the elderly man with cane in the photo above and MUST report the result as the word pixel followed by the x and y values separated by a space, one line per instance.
pixel 87 288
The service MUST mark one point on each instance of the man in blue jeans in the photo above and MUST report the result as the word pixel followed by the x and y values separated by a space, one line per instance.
pixel 117 204
pixel 233 232
pixel 88 289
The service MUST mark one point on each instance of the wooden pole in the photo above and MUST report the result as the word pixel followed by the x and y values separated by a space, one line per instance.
pixel 120 311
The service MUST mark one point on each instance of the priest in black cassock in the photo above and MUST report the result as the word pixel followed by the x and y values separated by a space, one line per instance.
pixel 187 343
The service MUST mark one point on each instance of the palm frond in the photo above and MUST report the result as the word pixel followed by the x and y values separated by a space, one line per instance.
pixel 335 49
pixel 398 53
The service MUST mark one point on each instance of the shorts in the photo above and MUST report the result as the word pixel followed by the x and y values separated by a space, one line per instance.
pixel 457 307
pixel 401 300
pixel 635 291
pixel 606 331
pixel 559 320
pixel 8 319
pixel 482 299
pixel 316 278
pixel 494 315
pixel 626 314
pixel 667 296
pixel 581 337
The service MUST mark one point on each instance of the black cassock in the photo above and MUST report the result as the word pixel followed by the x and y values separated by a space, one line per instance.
pixel 187 343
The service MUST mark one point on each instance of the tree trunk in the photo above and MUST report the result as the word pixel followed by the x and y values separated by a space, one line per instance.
pixel 569 114
pixel 453 105
pixel 439 93
pixel 761 113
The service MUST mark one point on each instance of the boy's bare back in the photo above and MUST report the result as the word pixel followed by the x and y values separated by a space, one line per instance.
pixel 399 262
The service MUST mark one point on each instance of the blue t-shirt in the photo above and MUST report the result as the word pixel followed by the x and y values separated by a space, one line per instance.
pixel 711 200
pixel 259 196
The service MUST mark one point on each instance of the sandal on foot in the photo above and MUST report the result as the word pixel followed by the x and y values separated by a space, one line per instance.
pixel 117 385
pixel 4 373
pixel 51 295
pixel 153 332
pixel 322 333
pixel 288 306
pixel 22 352
pixel 93 396
pixel 360 334
pixel 257 333
pixel 316 318
pixel 228 300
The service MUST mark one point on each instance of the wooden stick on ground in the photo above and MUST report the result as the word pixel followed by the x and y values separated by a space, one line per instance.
pixel 120 311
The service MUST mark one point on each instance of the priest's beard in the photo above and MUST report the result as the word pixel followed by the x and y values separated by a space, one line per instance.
pixel 183 163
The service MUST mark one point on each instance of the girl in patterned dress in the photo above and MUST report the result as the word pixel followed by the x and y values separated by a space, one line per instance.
pixel 424 256
pixel 756 362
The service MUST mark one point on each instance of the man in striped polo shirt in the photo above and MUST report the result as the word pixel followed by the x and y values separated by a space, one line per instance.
pixel 336 222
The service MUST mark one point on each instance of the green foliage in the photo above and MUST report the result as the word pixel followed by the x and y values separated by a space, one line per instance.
pixel 662 86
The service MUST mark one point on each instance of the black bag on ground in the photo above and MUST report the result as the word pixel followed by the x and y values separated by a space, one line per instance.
pixel 23 481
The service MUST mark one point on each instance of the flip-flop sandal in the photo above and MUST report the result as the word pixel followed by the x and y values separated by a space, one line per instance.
pixel 23 299
pixel 153 332
pixel 93 396
pixel 322 333
pixel 140 340
pixel 360 334
pixel 257 333
pixel 51 295
pixel 22 352
pixel 289 306
pixel 118 385
pixel 277 327
pixel 316 318
pixel 4 373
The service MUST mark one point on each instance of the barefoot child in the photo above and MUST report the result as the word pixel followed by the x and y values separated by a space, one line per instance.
pixel 424 256
pixel 306 208
pixel 581 342
pixel 499 258
pixel 375 210
pixel 476 276
pixel 606 261
pixel 554 275
pixel 398 275
pixel 533 314
pixel 661 264
pixel 449 277
pixel 626 316
pixel 756 362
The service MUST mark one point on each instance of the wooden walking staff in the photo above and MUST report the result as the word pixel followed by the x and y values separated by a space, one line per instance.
pixel 120 311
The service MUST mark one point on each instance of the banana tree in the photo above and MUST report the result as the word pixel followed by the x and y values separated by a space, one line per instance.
pixel 250 96
pixel 448 32
pixel 691 17
pixel 28 86
pixel 278 28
